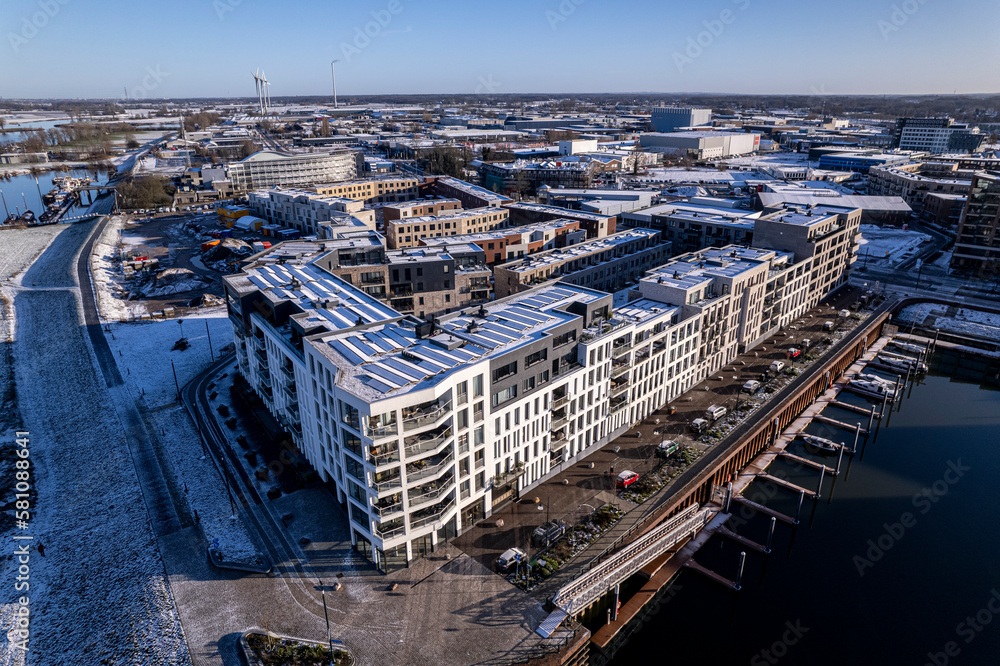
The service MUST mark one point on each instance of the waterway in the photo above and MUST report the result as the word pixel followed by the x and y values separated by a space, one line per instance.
pixel 897 563
pixel 14 137
pixel 24 184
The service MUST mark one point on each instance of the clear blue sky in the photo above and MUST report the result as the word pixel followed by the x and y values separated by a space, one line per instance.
pixel 191 48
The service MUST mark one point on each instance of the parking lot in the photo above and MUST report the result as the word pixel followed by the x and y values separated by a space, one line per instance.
pixel 590 482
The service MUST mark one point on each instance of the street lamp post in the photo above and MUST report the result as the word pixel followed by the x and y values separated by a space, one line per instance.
pixel 326 615
pixel 180 322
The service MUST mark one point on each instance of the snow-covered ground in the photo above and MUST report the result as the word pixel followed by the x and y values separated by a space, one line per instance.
pixel 108 280
pixel 695 175
pixel 99 594
pixel 143 351
pixel 963 322
pixel 21 246
pixel 888 246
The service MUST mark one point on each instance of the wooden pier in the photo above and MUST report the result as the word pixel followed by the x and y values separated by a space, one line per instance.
pixel 722 580
pixel 805 462
pixel 760 508
pixel 742 540
pixel 852 408
pixel 787 485
pixel 838 424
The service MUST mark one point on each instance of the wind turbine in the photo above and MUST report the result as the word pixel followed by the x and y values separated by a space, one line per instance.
pixel 260 97
pixel 267 92
pixel 333 73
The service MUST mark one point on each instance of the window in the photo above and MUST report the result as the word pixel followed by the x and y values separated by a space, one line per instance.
pixel 504 395
pixel 477 386
pixel 478 438
pixel 354 468
pixel 355 491
pixel 538 357
pixel 504 371
pixel 462 391
pixel 463 418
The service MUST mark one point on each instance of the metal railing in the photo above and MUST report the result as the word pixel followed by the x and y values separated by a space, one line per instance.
pixel 425 445
pixel 428 471
pixel 444 485
pixel 432 517
pixel 384 511
pixel 559 402
pixel 584 590
pixel 426 417
pixel 388 484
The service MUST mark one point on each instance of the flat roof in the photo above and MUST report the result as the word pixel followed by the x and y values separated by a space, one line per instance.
pixel 550 257
pixel 557 210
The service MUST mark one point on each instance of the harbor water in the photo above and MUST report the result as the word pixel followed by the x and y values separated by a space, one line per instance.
pixel 19 189
pixel 897 563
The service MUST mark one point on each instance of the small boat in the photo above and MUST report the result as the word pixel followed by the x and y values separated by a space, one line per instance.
pixel 28 217
pixel 821 443
pixel 879 389
pixel 901 364
pixel 907 346
pixel 869 377
pixel 12 219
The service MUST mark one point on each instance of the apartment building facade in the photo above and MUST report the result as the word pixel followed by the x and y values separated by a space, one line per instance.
pixel 595 224
pixel 914 181
pixel 410 232
pixel 517 242
pixel 432 281
pixel 605 264
pixel 977 246
pixel 471 196
pixel 268 168
pixel 423 428
pixel 419 208
pixel 306 210
pixel 380 190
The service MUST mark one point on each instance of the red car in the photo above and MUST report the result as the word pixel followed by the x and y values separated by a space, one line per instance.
pixel 627 478
pixel 794 352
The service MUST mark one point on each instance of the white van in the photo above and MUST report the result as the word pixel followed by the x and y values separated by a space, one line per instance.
pixel 715 412
pixel 777 366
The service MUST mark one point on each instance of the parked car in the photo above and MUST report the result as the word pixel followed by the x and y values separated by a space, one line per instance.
pixel 793 352
pixel 715 412
pixel 666 448
pixel 547 533
pixel 751 386
pixel 509 558
pixel 699 425
pixel 627 478
pixel 777 366
pixel 827 325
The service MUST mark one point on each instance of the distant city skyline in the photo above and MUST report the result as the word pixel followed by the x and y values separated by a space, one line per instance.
pixel 208 48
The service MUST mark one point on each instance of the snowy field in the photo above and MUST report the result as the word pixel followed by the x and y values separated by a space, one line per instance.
pixel 964 322
pixel 143 352
pixel 99 594
pixel 888 246
pixel 769 160
pixel 21 246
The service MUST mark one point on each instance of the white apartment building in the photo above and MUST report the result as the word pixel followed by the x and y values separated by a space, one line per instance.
pixel 422 429
pixel 268 168
pixel 306 210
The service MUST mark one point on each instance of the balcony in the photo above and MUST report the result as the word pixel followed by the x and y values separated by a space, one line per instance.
pixel 558 402
pixel 558 422
pixel 619 403
pixel 641 355
pixel 261 354
pixel 387 483
pixel 287 373
pixel 431 514
pixel 617 351
pixel 373 280
pixel 387 506
pixel 558 436
pixel 619 369
pixel 390 530
pixel 383 455
pixel 429 468
pixel 431 491
pixel 378 432
pixel 430 441
pixel 424 415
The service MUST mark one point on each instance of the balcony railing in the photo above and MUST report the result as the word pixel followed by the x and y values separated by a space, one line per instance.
pixel 423 445
pixel 424 469
pixel 558 435
pixel 288 373
pixel 421 418
pixel 387 484
pixel 379 456
pixel 619 370
pixel 559 423
pixel 429 493
pixel 432 515
pixel 390 532
pixel 559 402
pixel 387 509
pixel 620 351
pixel 388 430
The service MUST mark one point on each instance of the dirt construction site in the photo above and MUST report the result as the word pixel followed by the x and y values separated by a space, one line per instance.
pixel 147 268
